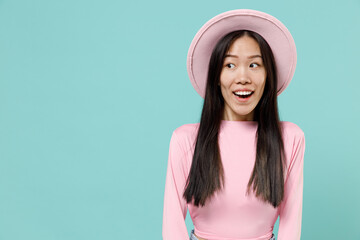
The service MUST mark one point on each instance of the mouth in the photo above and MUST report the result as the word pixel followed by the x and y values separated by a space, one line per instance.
pixel 243 94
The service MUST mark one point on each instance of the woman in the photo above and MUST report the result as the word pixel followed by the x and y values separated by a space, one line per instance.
pixel 240 167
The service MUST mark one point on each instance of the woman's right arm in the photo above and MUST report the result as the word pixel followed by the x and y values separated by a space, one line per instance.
pixel 175 207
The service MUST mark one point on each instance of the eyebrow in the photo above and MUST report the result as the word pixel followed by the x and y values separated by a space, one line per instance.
pixel 235 56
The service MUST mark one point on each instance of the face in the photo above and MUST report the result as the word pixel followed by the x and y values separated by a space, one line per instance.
pixel 242 79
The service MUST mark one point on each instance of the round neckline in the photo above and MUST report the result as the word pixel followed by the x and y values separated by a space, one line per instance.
pixel 235 121
pixel 228 123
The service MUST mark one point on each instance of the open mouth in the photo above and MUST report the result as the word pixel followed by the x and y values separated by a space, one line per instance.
pixel 243 94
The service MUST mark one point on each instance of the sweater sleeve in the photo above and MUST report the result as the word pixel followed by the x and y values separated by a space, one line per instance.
pixel 291 207
pixel 175 206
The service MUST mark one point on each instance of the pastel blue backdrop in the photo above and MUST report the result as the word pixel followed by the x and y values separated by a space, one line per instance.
pixel 90 92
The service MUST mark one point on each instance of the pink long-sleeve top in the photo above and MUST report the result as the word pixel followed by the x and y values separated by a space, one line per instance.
pixel 231 214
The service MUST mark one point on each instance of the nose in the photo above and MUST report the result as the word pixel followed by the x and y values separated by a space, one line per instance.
pixel 242 76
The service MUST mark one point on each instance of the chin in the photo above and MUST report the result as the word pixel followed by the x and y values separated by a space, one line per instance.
pixel 244 113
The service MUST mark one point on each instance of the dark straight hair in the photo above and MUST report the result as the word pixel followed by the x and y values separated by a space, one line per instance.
pixel 206 173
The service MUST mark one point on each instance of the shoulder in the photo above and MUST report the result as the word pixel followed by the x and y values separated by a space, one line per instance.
pixel 294 146
pixel 185 135
pixel 294 142
pixel 291 130
pixel 293 138
pixel 182 143
pixel 186 131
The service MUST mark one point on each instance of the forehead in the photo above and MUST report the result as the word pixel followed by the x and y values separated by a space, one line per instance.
pixel 244 45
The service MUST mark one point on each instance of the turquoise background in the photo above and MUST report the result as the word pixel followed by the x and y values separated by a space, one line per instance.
pixel 90 92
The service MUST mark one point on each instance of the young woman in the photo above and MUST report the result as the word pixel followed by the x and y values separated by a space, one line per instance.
pixel 240 167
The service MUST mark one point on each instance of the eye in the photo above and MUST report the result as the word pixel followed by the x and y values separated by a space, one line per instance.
pixel 229 65
pixel 254 65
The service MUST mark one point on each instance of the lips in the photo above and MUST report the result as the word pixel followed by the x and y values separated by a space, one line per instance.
pixel 243 89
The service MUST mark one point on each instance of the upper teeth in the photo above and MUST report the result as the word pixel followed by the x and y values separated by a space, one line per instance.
pixel 243 92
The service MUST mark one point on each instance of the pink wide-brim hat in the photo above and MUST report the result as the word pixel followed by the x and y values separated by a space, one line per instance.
pixel 271 29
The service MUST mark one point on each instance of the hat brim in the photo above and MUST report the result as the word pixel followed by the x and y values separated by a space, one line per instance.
pixel 271 29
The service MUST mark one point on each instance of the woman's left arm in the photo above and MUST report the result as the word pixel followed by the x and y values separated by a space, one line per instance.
pixel 291 207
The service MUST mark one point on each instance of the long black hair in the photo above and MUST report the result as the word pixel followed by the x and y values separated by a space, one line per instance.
pixel 206 173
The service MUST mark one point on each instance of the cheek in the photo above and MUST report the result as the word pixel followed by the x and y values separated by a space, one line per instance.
pixel 261 81
pixel 262 85
pixel 223 91
pixel 224 83
pixel 225 76
pixel 261 88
